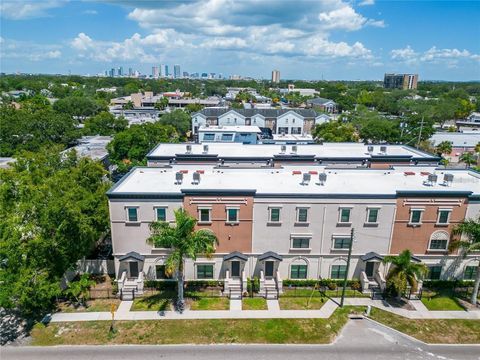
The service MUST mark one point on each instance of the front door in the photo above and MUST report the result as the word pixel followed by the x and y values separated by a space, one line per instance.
pixel 235 268
pixel 133 267
pixel 369 266
pixel 269 268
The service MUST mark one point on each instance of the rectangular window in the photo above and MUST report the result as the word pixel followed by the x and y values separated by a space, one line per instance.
pixel 296 130
pixel 438 244
pixel 302 215
pixel 227 137
pixel 160 272
pixel 208 137
pixel 205 271
pixel 161 214
pixel 434 272
pixel 443 217
pixel 132 214
pixel 344 215
pixel 298 272
pixel 232 215
pixel 283 130
pixel 338 271
pixel 372 216
pixel 274 215
pixel 341 242
pixel 416 216
pixel 470 272
pixel 204 215
pixel 300 243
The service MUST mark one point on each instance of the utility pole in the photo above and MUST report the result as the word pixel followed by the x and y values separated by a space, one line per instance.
pixel 420 133
pixel 348 267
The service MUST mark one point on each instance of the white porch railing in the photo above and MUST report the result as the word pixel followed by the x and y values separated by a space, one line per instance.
pixel 227 282
pixel 262 282
pixel 140 282
pixel 364 281
pixel 279 283
pixel 244 282
pixel 380 279
pixel 121 281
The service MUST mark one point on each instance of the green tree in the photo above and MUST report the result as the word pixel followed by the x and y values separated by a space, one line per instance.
pixel 104 124
pixel 128 105
pixel 161 104
pixel 380 130
pixel 334 131
pixel 78 290
pixel 193 108
pixel 445 147
pixel 179 119
pixel 468 242
pixel 78 106
pixel 184 243
pixel 403 272
pixel 467 158
pixel 130 147
pixel 53 210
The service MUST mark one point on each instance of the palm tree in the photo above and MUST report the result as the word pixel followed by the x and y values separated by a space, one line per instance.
pixel 469 232
pixel 404 272
pixel 467 158
pixel 445 147
pixel 184 242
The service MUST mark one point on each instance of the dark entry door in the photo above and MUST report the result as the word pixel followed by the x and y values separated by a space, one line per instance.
pixel 133 267
pixel 236 268
pixel 269 268
pixel 369 268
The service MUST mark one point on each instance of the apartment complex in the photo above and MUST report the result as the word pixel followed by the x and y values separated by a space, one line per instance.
pixel 280 121
pixel 400 81
pixel 295 222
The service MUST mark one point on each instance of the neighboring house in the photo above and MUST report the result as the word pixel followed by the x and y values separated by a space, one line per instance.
pixel 303 92
pixel 229 134
pixel 93 147
pixel 323 104
pixel 338 154
pixel 295 222
pixel 136 115
pixel 286 121
pixel 471 123
pixel 461 142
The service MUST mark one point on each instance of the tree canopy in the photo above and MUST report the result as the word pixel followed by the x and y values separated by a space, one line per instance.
pixel 335 131
pixel 78 106
pixel 53 211
pixel 179 119
pixel 104 123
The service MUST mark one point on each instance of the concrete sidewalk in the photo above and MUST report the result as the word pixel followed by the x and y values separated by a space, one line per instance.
pixel 273 312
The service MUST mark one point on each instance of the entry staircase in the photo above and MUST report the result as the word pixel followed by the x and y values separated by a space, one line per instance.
pixel 234 287
pixel 270 288
pixel 375 286
pixel 128 288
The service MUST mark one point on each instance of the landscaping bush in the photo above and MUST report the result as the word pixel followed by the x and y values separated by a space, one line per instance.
pixel 332 285
pixel 356 285
pixel 313 282
pixel 161 285
pixel 198 284
pixel 446 284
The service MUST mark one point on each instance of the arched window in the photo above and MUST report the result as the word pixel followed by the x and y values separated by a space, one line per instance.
pixel 299 269
pixel 338 269
pixel 439 240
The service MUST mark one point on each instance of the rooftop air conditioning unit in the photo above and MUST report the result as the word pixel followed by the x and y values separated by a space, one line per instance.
pixel 205 149
pixel 178 178
pixel 294 149
pixel 432 179
pixel 383 149
pixel 447 179
pixel 283 149
pixel 189 149
pixel 196 178
pixel 306 178
pixel 322 177
pixel 370 149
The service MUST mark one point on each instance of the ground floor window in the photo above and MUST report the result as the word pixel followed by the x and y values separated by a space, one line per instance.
pixel 434 272
pixel 298 272
pixel 204 271
pixel 470 272
pixel 338 271
pixel 283 130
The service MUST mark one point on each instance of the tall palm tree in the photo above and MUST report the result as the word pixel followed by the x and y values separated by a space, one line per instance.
pixel 184 242
pixel 404 271
pixel 468 159
pixel 469 232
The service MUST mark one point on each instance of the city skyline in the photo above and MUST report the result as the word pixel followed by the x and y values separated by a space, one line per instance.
pixel 334 40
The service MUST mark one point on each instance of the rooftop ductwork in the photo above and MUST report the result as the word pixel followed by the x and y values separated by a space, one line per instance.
pixel 178 178
pixel 322 177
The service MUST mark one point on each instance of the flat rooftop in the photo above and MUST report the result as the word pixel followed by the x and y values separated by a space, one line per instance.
pixel 457 139
pixel 270 151
pixel 288 180
pixel 239 128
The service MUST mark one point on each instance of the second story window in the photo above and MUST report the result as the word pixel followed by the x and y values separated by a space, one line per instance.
pixel 443 216
pixel 372 215
pixel 161 214
pixel 232 215
pixel 274 214
pixel 344 217
pixel 341 242
pixel 300 243
pixel 302 215
pixel 204 215
pixel 132 214
pixel 416 216
pixel 208 137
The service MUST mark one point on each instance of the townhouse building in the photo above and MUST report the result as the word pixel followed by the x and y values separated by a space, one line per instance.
pixel 295 221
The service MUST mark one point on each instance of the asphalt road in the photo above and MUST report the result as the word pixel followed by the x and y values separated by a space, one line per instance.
pixel 360 339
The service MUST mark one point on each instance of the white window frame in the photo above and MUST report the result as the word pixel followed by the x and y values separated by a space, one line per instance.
pixel 349 215
pixel 300 236
pixel 339 237
pixel 155 208
pixel 297 215
pixel 205 263
pixel 270 221
pixel 127 217
pixel 237 208
pixel 200 208
pixel 448 217
pixel 440 250
pixel 368 215
pixel 422 210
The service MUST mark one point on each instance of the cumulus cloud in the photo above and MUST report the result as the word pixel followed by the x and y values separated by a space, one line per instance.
pixel 20 10
pixel 403 54
pixel 25 50
pixel 366 2
pixel 432 55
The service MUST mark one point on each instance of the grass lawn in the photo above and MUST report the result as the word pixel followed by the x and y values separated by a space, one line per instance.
pixel 301 299
pixel 254 304
pixel 432 330
pixel 440 301
pixel 92 306
pixel 260 331
pixel 209 303
pixel 157 302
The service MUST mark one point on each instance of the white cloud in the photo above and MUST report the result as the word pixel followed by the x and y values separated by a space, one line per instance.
pixel 345 18
pixel 20 10
pixel 366 2
pixel 26 50
pixel 403 54
pixel 435 54
pixel 450 57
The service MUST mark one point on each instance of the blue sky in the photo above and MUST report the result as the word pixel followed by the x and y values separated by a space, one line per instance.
pixel 333 39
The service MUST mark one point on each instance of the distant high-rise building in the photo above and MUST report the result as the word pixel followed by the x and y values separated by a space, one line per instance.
pixel 276 76
pixel 120 71
pixel 166 71
pixel 400 81
pixel 112 72
pixel 176 71
pixel 186 74
pixel 155 72
pixel 130 71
